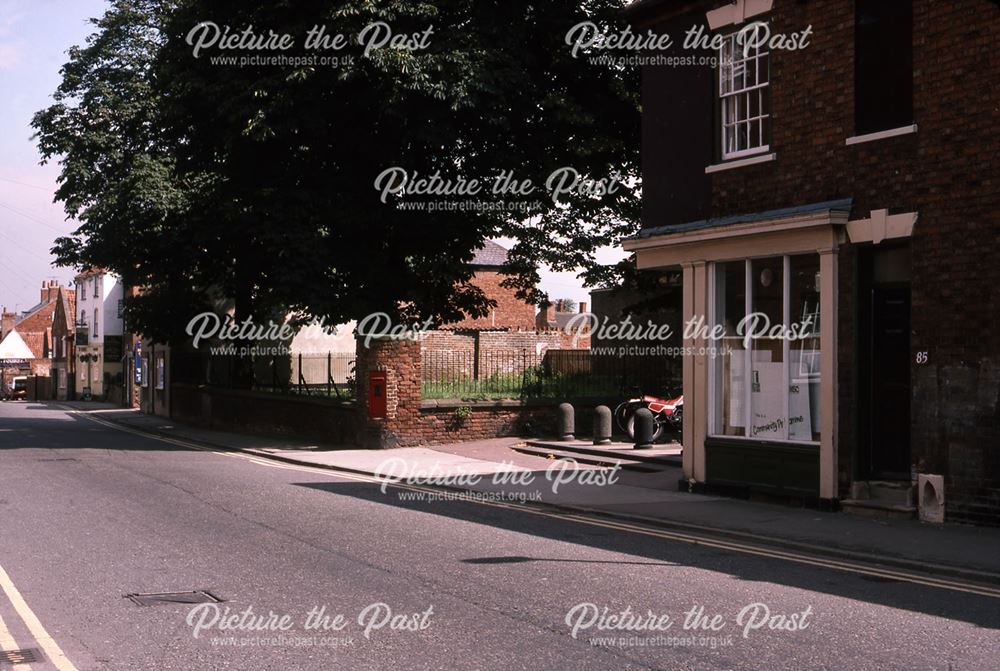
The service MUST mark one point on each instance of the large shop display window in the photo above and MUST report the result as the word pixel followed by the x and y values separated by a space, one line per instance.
pixel 766 373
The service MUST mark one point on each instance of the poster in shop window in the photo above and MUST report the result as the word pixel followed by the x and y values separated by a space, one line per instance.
pixel 767 398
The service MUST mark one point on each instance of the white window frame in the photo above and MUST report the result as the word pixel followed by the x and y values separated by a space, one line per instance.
pixel 713 309
pixel 729 64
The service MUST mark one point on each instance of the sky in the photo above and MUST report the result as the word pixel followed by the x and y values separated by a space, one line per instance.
pixel 34 38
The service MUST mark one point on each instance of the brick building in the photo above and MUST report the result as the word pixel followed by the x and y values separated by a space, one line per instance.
pixel 510 312
pixel 64 345
pixel 853 181
pixel 35 328
pixel 511 326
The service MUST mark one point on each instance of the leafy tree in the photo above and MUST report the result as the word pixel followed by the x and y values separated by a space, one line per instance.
pixel 200 179
pixel 565 305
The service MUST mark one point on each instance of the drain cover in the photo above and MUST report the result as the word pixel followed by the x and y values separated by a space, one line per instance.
pixel 18 656
pixel 154 599
pixel 58 459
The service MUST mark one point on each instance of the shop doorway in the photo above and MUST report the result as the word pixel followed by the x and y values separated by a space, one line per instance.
pixel 884 364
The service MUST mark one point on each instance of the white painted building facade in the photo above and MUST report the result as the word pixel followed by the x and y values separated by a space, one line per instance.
pixel 99 331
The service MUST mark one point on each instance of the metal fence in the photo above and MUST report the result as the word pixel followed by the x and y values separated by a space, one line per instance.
pixel 486 374
pixel 330 374
pixel 522 374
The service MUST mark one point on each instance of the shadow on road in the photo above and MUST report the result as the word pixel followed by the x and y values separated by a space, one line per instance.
pixel 37 427
pixel 665 555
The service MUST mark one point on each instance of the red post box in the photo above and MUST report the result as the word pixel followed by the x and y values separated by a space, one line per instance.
pixel 376 394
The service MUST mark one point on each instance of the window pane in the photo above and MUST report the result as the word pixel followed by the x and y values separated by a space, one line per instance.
pixel 730 307
pixel 767 376
pixel 739 76
pixel 804 355
pixel 752 72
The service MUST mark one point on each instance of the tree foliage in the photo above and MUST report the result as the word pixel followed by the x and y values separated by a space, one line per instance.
pixel 195 178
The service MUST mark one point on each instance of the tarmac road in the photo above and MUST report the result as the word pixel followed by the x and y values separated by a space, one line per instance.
pixel 89 514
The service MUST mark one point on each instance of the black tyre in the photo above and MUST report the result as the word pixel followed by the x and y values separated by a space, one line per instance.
pixel 658 427
pixel 624 411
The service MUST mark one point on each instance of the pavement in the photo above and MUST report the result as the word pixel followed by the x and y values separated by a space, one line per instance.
pixel 649 498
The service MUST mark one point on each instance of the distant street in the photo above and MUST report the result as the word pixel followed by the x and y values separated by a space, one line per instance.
pixel 89 514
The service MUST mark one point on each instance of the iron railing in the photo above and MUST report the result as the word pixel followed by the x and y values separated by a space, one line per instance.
pixel 524 374
pixel 330 374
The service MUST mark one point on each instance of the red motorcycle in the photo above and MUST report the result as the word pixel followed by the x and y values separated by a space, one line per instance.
pixel 668 413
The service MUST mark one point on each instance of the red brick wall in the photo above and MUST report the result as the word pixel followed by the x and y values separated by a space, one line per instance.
pixel 267 414
pixel 410 422
pixel 510 311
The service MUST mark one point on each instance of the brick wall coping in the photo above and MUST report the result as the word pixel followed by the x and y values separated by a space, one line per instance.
pixel 452 403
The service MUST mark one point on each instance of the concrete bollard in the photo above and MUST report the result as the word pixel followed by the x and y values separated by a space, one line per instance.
pixel 602 425
pixel 643 427
pixel 566 422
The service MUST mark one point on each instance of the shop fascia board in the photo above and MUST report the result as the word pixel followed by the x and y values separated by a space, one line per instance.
pixel 806 233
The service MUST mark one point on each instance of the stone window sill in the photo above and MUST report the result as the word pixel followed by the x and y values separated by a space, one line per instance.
pixel 740 163
pixel 881 135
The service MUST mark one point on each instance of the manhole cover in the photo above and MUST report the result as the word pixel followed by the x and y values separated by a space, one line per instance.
pixel 154 599
pixel 18 656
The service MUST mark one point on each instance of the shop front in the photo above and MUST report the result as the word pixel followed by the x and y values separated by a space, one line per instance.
pixel 760 300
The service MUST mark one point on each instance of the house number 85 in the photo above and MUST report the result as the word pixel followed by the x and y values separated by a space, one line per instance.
pixel 922 358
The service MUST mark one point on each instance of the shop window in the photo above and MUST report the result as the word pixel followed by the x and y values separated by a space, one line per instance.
pixel 765 373
pixel 730 304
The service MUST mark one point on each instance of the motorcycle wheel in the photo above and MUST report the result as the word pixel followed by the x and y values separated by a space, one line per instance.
pixel 622 413
pixel 657 431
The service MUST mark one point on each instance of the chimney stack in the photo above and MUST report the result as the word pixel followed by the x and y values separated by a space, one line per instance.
pixel 50 290
pixel 546 315
pixel 583 308
pixel 7 320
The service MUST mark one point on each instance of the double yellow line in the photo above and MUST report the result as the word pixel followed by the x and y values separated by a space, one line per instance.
pixel 847 566
pixel 48 645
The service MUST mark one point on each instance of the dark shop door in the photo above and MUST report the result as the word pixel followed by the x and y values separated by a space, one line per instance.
pixel 890 383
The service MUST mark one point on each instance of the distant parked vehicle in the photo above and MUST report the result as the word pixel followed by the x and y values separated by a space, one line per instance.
pixel 19 388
